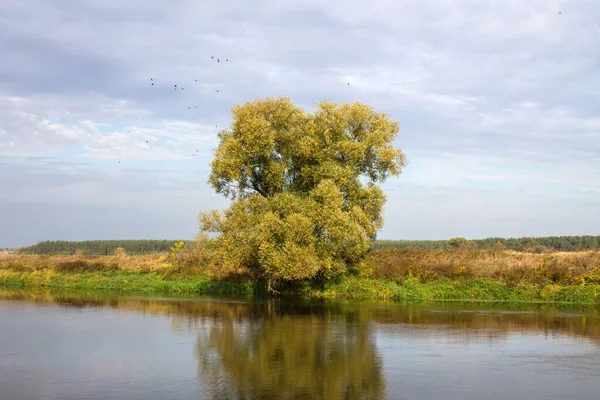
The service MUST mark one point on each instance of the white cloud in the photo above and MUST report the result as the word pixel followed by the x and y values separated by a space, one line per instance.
pixel 118 130
pixel 492 97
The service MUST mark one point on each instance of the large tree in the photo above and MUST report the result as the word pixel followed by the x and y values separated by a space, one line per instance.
pixel 304 185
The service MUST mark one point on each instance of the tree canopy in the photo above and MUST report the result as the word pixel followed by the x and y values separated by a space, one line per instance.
pixel 274 146
pixel 304 185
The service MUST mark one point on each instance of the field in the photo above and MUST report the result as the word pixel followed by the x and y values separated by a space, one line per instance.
pixel 391 274
pixel 508 266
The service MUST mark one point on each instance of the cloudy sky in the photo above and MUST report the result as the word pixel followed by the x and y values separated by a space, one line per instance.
pixel 498 103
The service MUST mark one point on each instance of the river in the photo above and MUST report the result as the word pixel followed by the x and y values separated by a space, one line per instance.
pixel 64 345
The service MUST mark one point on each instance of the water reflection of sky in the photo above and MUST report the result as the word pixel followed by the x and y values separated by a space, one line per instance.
pixel 521 365
pixel 55 347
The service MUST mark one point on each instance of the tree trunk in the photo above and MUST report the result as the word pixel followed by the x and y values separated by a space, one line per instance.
pixel 270 288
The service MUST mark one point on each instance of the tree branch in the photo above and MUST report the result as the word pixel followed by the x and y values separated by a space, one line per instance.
pixel 258 189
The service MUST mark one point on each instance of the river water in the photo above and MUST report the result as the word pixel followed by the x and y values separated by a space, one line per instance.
pixel 60 345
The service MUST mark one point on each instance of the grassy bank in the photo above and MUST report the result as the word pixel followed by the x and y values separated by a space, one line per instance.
pixel 135 274
pixel 398 275
pixel 123 281
pixel 462 289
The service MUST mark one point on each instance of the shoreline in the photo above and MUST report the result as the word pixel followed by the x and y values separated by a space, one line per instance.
pixel 446 290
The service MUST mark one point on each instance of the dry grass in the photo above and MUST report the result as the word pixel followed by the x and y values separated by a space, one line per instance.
pixel 507 266
pixel 392 264
pixel 80 263
pixel 189 260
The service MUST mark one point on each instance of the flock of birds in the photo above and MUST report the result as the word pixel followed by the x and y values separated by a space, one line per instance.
pixel 176 87
pixel 181 87
pixel 153 83
pixel 218 60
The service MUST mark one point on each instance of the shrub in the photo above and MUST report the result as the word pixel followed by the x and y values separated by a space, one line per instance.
pixel 458 243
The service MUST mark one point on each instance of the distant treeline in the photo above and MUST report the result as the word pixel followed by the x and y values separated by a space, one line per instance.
pixel 547 243
pixel 99 247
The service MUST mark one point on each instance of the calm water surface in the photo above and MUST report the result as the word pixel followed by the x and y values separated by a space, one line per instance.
pixel 100 346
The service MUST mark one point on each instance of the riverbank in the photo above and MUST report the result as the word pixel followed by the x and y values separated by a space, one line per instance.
pixel 393 275
pixel 410 290
pixel 123 281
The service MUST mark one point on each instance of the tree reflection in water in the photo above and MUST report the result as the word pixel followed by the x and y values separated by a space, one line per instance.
pixel 294 349
pixel 296 356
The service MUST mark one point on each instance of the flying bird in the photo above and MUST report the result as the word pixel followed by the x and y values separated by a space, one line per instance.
pixel 218 60
pixel 211 57
pixel 189 108
pixel 196 80
pixel 217 90
pixel 227 60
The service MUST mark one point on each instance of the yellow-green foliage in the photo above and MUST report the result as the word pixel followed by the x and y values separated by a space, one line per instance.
pixel 303 209
pixel 177 247
pixel 274 146
pixel 288 237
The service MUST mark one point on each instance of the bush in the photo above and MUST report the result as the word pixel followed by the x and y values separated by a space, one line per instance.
pixel 458 243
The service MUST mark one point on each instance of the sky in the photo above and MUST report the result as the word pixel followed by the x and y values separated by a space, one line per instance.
pixel 498 104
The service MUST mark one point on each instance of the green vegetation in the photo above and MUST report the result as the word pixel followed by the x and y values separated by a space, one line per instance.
pixel 98 247
pixel 107 247
pixel 465 289
pixel 306 211
pixel 407 275
pixel 124 281
pixel 537 244
pixel 410 290
pixel 306 200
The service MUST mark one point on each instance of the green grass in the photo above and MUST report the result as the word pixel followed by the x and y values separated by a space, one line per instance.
pixel 410 290
pixel 462 289
pixel 123 281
